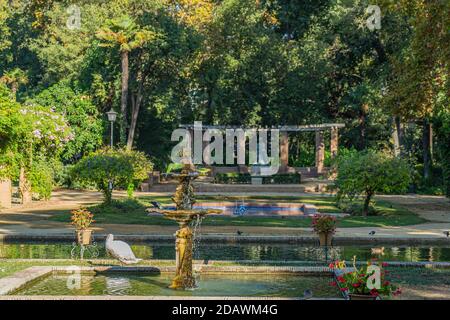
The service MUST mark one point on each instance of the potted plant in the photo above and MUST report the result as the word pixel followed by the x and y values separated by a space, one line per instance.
pixel 325 227
pixel 360 283
pixel 82 218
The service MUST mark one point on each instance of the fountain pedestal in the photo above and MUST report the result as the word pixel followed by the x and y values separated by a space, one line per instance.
pixel 184 277
pixel 183 215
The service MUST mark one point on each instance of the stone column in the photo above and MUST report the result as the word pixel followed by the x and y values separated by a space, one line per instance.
pixel 284 151
pixel 334 142
pixel 320 152
pixel 206 157
pixel 5 194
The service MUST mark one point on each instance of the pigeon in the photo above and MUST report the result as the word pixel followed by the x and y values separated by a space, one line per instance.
pixel 156 204
pixel 120 250
pixel 372 233
pixel 446 233
pixel 307 294
pixel 239 232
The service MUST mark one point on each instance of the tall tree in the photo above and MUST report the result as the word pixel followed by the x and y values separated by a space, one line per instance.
pixel 421 70
pixel 127 35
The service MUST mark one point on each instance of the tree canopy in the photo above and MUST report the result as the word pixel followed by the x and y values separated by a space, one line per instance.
pixel 161 63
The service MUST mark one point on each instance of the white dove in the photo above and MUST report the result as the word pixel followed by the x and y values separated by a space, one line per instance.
pixel 120 250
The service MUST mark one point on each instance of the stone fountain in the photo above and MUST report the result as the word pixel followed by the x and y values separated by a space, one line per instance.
pixel 184 214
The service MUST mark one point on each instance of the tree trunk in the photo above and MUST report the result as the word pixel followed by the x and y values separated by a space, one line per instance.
pixel 124 95
pixel 136 104
pixel 426 143
pixel 362 120
pixel 365 212
pixel 397 136
pixel 24 187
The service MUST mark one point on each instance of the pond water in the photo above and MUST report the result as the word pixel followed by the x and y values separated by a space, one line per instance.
pixel 227 251
pixel 261 285
pixel 255 209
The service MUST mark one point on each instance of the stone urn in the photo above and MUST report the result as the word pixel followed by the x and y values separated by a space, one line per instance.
pixel 325 238
pixel 84 236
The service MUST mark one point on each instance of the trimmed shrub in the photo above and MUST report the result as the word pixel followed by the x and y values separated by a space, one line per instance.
pixel 121 168
pixel 367 173
pixel 246 178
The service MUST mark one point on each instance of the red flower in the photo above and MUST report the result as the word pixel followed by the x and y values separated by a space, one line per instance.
pixel 356 285
pixel 333 283
pixel 344 289
pixel 341 279
pixel 374 292
pixel 331 265
pixel 386 283
pixel 384 264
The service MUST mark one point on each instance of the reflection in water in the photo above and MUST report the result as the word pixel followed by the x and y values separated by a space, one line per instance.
pixel 228 251
pixel 117 285
pixel 210 285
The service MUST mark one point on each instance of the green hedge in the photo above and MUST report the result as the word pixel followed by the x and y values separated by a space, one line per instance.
pixel 246 178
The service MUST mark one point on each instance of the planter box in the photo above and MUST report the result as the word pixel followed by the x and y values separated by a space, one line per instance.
pixel 84 237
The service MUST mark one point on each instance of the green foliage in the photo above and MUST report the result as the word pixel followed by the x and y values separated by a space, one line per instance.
pixel 367 173
pixel 267 62
pixel 119 207
pixel 443 134
pixel 80 114
pixel 246 178
pixel 118 167
pixel 282 178
pixel 233 178
pixel 30 132
pixel 41 178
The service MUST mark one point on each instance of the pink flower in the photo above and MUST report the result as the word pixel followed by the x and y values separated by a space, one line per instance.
pixel 397 292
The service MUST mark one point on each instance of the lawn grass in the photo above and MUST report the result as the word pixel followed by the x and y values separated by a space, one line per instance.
pixel 133 212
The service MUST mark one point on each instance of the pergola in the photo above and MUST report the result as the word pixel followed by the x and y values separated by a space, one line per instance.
pixel 319 129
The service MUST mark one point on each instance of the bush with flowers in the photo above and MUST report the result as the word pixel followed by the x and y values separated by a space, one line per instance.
pixel 324 224
pixel 361 282
pixel 82 218
pixel 29 133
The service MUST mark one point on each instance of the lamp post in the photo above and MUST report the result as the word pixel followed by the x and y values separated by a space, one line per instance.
pixel 112 116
